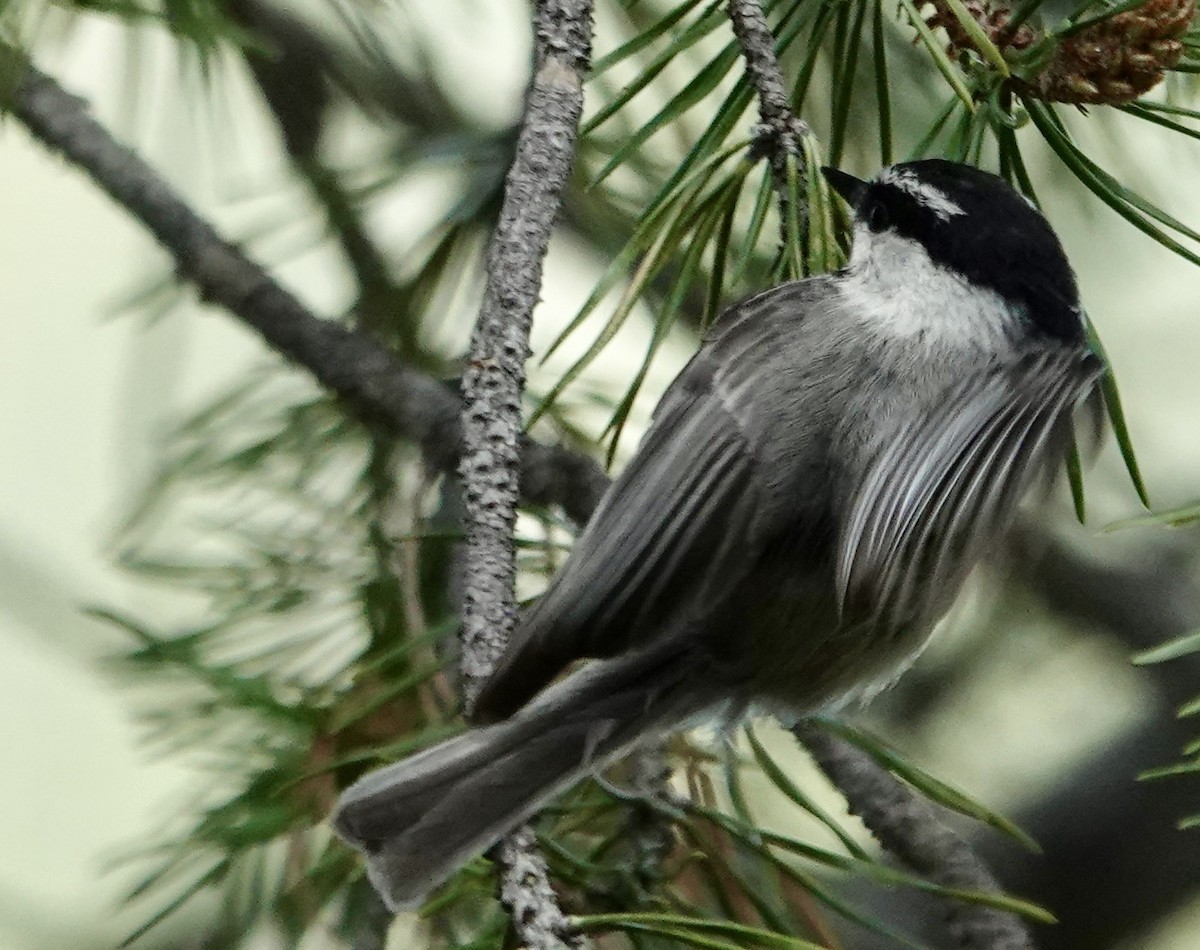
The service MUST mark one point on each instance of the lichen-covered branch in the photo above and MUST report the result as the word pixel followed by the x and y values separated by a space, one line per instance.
pixel 393 398
pixel 780 130
pixel 495 373
pixel 492 389
pixel 907 826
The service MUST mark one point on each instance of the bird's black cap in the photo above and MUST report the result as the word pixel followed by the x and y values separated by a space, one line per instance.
pixel 975 224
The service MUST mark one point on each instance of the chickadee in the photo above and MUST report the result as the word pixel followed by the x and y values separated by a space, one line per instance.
pixel 813 489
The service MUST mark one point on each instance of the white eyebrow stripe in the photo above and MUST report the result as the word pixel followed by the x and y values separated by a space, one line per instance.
pixel 933 199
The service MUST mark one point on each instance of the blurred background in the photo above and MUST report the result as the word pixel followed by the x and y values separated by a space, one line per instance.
pixel 138 427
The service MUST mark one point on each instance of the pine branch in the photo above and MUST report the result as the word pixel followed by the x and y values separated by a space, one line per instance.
pixel 780 130
pixel 495 373
pixel 394 399
pixel 492 387
pixel 779 123
pixel 907 826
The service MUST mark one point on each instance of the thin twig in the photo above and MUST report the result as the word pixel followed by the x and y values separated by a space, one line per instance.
pixel 780 130
pixel 907 826
pixel 291 67
pixel 391 397
pixel 492 387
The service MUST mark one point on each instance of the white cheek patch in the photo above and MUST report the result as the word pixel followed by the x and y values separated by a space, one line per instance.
pixel 925 194
pixel 897 290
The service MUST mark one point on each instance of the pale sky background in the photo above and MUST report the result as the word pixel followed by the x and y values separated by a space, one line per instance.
pixel 85 397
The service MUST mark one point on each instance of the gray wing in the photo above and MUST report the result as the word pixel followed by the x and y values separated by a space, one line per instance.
pixel 675 532
pixel 672 533
pixel 940 491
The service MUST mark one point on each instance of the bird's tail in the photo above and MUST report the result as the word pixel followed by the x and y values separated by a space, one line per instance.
pixel 417 821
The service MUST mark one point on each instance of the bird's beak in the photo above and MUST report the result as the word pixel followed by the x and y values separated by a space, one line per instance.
pixel 850 188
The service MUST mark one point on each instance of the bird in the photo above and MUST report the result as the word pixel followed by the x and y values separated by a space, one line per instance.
pixel 809 496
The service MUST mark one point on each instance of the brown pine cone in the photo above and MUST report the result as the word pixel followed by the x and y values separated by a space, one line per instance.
pixel 993 20
pixel 1113 61
pixel 1118 59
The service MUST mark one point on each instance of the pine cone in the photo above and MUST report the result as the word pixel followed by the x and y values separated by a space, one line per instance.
pixel 1118 59
pixel 993 20
pixel 1113 61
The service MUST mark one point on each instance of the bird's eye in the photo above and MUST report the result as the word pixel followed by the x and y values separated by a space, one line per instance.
pixel 877 217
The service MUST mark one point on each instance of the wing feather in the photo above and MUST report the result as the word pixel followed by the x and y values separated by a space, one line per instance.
pixel 933 498
pixel 687 519
pixel 672 535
